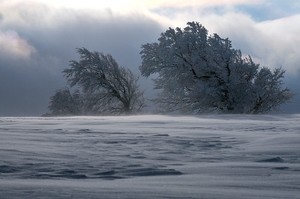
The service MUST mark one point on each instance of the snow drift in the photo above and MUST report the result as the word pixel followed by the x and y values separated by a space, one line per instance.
pixel 151 156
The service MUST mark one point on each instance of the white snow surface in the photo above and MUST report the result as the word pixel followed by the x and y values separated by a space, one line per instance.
pixel 151 156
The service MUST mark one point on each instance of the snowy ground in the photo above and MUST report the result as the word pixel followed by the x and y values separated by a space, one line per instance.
pixel 224 156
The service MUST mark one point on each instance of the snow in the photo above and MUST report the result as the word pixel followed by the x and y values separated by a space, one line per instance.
pixel 151 156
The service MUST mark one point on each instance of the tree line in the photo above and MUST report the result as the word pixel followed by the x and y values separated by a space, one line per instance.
pixel 195 73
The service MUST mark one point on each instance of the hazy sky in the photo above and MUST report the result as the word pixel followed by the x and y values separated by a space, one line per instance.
pixel 39 37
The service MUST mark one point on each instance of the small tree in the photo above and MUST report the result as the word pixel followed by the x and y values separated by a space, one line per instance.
pixel 199 73
pixel 65 103
pixel 267 90
pixel 111 88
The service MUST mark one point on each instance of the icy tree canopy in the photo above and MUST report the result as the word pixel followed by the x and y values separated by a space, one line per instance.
pixel 198 72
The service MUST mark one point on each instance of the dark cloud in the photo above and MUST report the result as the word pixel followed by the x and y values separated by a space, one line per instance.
pixel 27 83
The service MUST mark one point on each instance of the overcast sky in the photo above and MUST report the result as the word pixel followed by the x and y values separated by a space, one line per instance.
pixel 39 37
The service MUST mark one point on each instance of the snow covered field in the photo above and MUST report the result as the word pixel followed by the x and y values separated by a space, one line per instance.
pixel 151 156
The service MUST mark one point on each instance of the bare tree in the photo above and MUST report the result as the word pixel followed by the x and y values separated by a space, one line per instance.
pixel 111 88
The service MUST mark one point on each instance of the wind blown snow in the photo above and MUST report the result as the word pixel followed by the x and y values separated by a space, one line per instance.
pixel 151 156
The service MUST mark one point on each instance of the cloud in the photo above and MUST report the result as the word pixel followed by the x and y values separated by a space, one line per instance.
pixel 13 45
pixel 283 41
pixel 128 5
pixel 193 3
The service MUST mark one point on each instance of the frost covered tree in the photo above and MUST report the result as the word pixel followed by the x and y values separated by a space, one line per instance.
pixel 268 93
pixel 110 88
pixel 63 102
pixel 198 72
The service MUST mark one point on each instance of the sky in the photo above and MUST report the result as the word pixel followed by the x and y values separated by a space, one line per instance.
pixel 38 38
